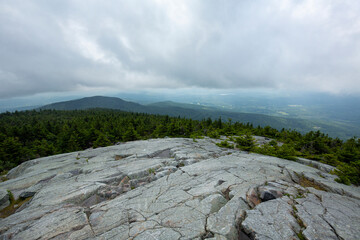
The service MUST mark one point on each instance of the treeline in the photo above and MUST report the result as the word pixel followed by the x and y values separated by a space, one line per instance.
pixel 31 134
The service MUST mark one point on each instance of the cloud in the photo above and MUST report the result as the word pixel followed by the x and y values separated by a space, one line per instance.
pixel 48 46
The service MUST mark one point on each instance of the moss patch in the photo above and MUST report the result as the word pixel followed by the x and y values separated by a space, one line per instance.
pixel 119 157
pixel 300 235
pixel 3 179
pixel 14 205
pixel 304 182
pixel 300 222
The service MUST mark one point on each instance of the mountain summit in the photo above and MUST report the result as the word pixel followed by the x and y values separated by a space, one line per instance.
pixel 96 102
pixel 176 189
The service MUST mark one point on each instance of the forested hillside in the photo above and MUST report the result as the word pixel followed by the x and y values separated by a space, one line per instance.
pixel 199 112
pixel 31 134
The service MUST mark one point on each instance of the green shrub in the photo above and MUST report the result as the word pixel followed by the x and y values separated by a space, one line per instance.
pixel 245 142
pixel 286 151
pixel 214 134
pixel 225 144
pixel 348 173
pixel 196 136
pixel 151 171
pixel 273 143
pixel 329 159
pixel 11 196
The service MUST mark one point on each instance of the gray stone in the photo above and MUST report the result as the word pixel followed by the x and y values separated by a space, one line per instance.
pixel 135 191
pixel 329 215
pixel 4 199
pixel 252 197
pixel 314 214
pixel 321 166
pixel 268 193
pixel 159 234
pixel 27 194
pixel 212 203
pixel 225 222
pixel 271 220
pixel 65 221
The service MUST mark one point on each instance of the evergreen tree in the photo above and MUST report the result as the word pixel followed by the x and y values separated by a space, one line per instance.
pixel 350 151
pixel 245 142
pixel 29 134
pixel 12 152
pixel 73 143
pixel 131 134
pixel 102 141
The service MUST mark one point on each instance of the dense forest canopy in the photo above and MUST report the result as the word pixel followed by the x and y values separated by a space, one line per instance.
pixel 31 134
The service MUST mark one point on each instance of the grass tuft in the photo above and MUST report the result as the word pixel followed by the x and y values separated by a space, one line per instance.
pixel 14 205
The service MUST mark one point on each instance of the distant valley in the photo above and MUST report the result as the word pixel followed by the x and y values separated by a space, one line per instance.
pixel 333 128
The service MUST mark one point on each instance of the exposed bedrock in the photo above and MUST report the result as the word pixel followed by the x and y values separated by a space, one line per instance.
pixel 177 189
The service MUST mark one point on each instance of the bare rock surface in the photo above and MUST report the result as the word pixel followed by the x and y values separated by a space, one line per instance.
pixel 4 199
pixel 177 189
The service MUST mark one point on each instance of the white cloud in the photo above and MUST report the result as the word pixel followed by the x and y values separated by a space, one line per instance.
pixel 74 45
pixel 78 38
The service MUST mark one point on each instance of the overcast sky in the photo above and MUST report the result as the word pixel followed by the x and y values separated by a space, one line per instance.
pixel 88 45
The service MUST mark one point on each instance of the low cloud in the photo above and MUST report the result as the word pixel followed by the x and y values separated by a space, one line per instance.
pixel 49 46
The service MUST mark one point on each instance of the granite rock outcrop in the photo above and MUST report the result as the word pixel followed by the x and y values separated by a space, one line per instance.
pixel 177 188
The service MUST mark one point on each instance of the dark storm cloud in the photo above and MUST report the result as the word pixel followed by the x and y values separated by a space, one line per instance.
pixel 48 46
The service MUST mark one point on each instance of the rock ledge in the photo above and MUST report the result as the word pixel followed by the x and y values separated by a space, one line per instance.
pixel 177 189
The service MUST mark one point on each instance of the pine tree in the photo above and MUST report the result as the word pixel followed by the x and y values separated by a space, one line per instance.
pixel 245 142
pixel 131 134
pixel 102 141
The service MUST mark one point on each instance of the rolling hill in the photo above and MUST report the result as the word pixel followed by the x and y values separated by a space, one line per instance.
pixel 200 112
pixel 96 102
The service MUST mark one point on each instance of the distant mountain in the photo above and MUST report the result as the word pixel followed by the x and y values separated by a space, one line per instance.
pixel 199 112
pixel 96 102
pixel 13 109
